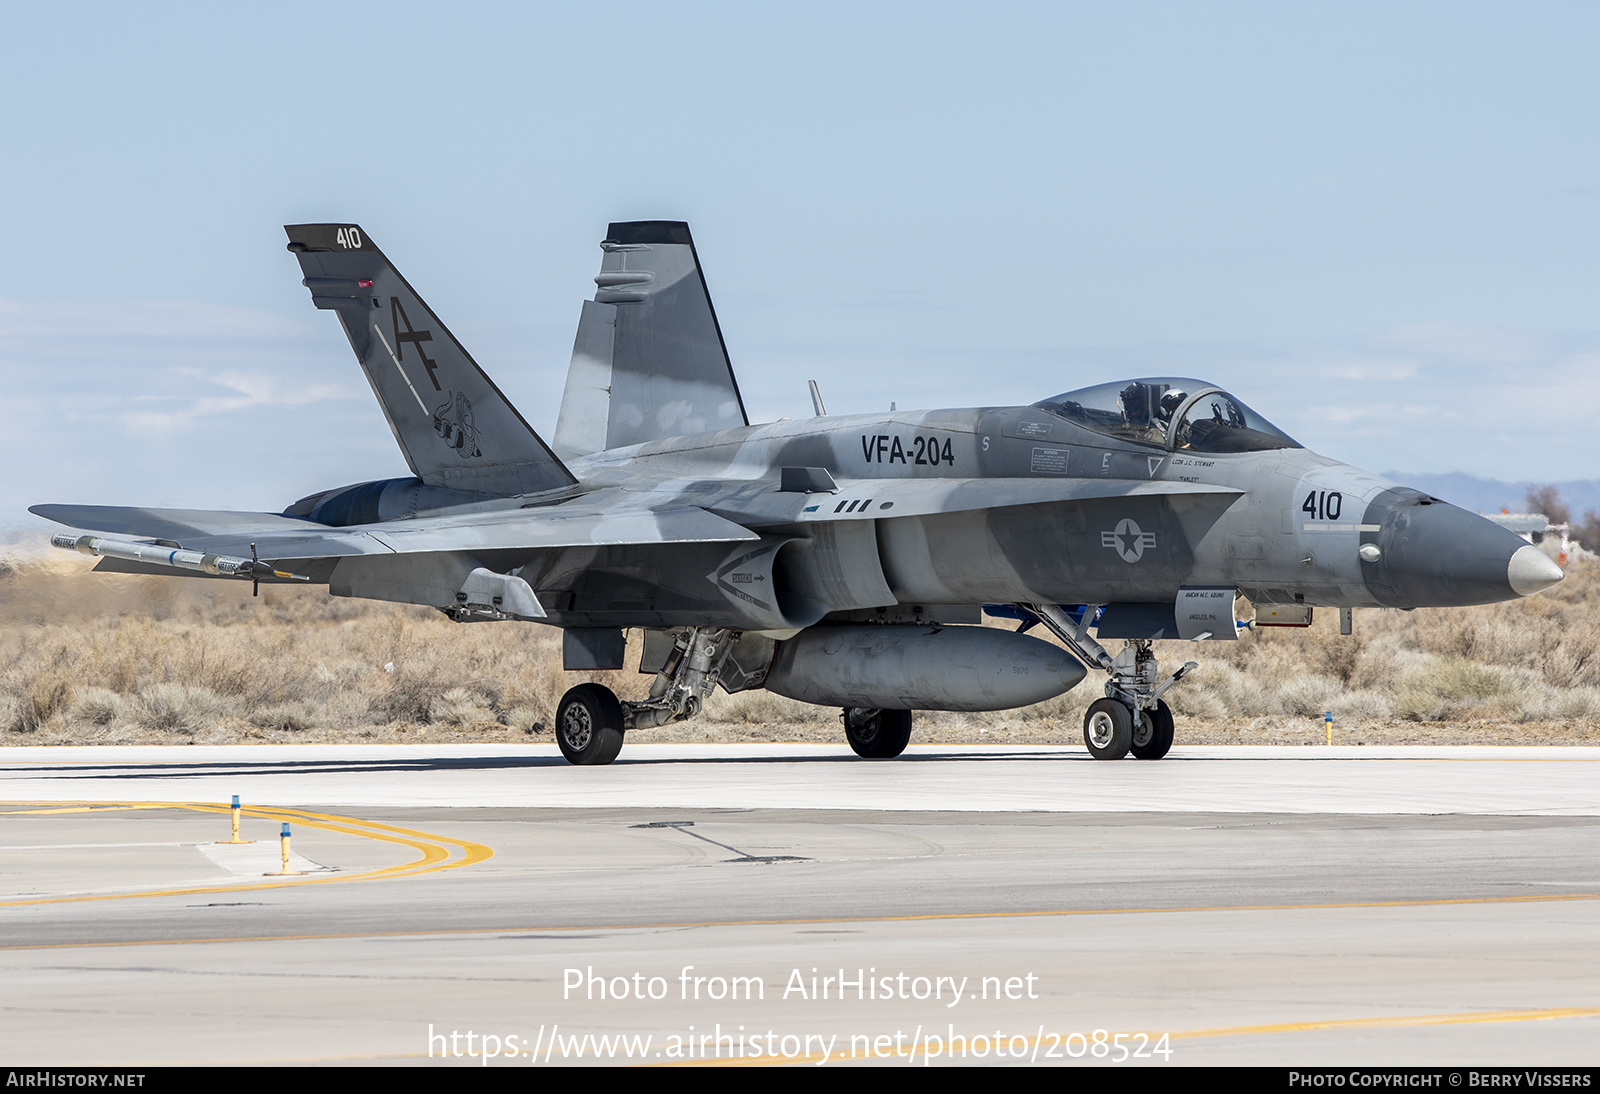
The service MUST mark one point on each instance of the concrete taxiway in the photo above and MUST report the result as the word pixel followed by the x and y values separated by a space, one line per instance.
pixel 1254 905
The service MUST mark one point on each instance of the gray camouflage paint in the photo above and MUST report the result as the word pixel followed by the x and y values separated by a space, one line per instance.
pixel 664 508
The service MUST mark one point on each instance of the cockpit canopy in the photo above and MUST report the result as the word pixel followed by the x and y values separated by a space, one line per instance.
pixel 1143 411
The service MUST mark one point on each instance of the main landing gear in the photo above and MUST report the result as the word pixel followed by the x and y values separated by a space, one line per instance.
pixel 591 720
pixel 589 725
pixel 1132 717
pixel 876 734
pixel 1110 731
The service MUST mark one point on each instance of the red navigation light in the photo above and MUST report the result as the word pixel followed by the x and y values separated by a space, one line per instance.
pixel 364 284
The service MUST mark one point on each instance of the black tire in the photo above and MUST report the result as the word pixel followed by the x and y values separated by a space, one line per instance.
pixel 589 725
pixel 1108 729
pixel 881 735
pixel 1153 739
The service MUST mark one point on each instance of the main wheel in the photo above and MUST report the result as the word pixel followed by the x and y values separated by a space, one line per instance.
pixel 1152 737
pixel 878 735
pixel 589 725
pixel 1108 729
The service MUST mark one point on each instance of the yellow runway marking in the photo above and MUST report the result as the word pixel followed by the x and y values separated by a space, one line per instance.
pixel 435 853
pixel 1399 1022
pixel 465 932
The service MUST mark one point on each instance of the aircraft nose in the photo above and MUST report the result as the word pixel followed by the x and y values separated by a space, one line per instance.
pixel 1432 554
pixel 1532 571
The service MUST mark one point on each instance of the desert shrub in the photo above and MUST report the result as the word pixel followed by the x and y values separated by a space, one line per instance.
pixel 1361 705
pixel 458 707
pixel 406 698
pixel 524 718
pixel 284 717
pixel 1577 704
pixel 97 706
pixel 1308 695
pixel 761 708
pixel 45 695
pixel 1460 679
pixel 177 708
pixel 1231 689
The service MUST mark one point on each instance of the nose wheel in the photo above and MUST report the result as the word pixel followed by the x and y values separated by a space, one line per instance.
pixel 1152 736
pixel 1112 729
pixel 1132 717
pixel 1108 729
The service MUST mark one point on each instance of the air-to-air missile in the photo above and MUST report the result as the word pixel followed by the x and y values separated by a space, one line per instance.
pixel 153 554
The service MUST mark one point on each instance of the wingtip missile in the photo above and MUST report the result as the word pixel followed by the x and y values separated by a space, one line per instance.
pixel 174 557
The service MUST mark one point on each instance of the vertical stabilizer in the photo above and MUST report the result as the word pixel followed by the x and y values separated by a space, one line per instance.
pixel 649 361
pixel 454 425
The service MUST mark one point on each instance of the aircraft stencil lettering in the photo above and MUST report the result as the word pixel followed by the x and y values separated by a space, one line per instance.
pixel 922 451
pixel 770 555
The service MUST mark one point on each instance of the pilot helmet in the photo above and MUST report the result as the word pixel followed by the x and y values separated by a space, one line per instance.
pixel 1171 401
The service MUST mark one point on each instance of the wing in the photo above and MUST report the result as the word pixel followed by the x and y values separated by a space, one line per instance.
pixel 169 524
pixel 603 520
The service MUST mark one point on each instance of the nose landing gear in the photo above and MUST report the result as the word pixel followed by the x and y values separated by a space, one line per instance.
pixel 1108 729
pixel 1132 717
pixel 1152 737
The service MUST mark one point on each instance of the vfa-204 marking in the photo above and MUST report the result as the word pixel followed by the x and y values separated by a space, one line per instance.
pixel 919 450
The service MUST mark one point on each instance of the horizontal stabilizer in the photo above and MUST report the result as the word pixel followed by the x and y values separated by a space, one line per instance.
pixel 454 425
pixel 575 524
pixel 169 524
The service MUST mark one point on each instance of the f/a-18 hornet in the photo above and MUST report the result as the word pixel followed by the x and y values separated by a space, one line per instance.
pixel 838 560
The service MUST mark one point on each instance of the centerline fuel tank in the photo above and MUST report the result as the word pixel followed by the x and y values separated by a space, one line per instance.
pixel 900 667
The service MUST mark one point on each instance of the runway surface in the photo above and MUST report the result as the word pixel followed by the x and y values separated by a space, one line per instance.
pixel 1307 906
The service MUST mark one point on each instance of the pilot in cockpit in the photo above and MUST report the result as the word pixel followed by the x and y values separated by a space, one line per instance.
pixel 1149 408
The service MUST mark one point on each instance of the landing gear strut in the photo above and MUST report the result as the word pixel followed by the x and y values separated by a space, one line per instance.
pixel 1132 717
pixel 591 719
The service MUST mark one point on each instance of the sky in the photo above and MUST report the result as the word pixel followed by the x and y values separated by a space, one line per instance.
pixel 1377 224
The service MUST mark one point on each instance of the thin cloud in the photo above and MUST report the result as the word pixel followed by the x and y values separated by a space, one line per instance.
pixel 249 393
pixel 164 319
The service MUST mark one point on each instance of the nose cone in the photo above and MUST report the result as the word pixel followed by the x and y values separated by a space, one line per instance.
pixel 1532 571
pixel 1432 554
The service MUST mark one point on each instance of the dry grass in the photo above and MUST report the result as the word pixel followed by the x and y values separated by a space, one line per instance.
pixel 97 658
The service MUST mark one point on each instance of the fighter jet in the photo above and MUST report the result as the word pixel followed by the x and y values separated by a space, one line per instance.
pixel 846 561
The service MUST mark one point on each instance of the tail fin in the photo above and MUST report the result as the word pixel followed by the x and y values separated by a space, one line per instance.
pixel 649 361
pixel 454 426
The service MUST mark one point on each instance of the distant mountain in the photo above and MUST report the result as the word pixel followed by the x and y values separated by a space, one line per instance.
pixel 1490 495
